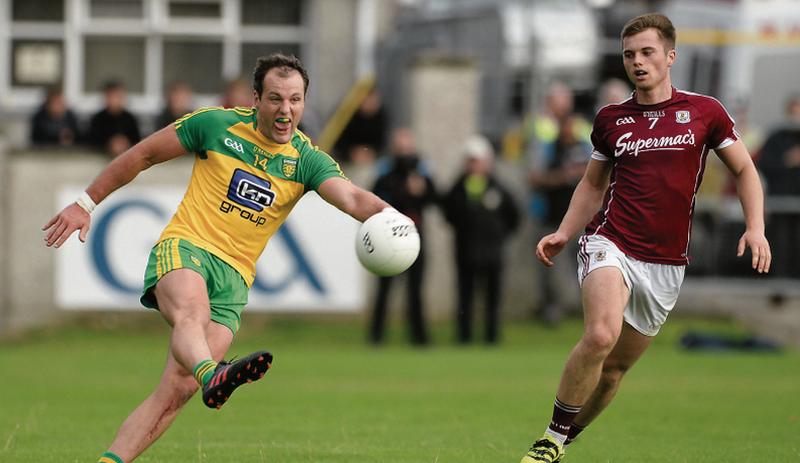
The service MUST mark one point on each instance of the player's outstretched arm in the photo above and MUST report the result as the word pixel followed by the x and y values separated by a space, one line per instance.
pixel 751 195
pixel 586 200
pixel 158 147
pixel 355 201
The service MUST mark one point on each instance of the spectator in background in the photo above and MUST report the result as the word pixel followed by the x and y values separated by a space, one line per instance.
pixel 556 168
pixel 114 129
pixel 179 101
pixel 238 92
pixel 779 161
pixel 559 103
pixel 54 124
pixel 541 126
pixel 483 215
pixel 312 124
pixel 410 190
pixel 611 92
pixel 364 137
pixel 551 181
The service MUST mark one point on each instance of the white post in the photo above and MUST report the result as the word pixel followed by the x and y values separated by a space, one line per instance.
pixel 444 94
pixel 366 33
pixel 5 193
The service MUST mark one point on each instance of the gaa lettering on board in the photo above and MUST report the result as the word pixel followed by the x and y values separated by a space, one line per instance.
pixel 304 268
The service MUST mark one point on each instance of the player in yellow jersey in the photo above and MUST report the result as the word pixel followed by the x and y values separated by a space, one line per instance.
pixel 252 165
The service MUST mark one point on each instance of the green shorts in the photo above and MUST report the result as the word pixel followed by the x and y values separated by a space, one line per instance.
pixel 227 290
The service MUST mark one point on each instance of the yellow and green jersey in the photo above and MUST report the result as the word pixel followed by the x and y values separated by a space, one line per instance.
pixel 243 184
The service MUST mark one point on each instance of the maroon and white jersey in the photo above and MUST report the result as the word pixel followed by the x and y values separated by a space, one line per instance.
pixel 658 154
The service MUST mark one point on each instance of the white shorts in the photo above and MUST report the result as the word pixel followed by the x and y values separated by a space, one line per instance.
pixel 654 288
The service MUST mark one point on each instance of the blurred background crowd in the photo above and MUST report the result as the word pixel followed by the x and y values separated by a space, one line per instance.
pixel 473 115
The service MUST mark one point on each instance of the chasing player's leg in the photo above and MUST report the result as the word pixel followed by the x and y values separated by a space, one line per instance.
pixel 153 416
pixel 605 296
pixel 629 349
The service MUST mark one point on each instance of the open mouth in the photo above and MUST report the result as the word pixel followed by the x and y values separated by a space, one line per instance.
pixel 283 124
pixel 639 73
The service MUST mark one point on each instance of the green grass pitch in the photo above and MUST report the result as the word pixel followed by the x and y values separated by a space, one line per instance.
pixel 331 398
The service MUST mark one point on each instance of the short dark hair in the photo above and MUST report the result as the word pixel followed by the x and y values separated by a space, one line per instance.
pixel 52 91
pixel 656 21
pixel 113 84
pixel 277 60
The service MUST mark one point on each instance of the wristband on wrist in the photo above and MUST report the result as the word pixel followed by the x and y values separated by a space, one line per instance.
pixel 86 203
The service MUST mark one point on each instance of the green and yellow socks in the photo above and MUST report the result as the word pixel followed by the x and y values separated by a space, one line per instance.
pixel 110 457
pixel 204 370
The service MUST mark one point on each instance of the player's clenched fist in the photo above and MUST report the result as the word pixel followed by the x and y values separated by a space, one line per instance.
pixel 550 246
pixel 60 227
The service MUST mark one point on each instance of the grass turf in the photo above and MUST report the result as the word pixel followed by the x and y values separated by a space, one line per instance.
pixel 330 398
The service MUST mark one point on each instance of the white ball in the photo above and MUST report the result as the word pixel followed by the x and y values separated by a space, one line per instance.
pixel 387 243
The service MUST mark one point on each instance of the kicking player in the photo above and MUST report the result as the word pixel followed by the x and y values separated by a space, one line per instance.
pixel 251 167
pixel 646 167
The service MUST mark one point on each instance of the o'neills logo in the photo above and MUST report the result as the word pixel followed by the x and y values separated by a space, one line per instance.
pixel 642 145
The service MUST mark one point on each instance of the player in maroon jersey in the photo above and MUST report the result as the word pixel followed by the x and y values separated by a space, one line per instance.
pixel 647 164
